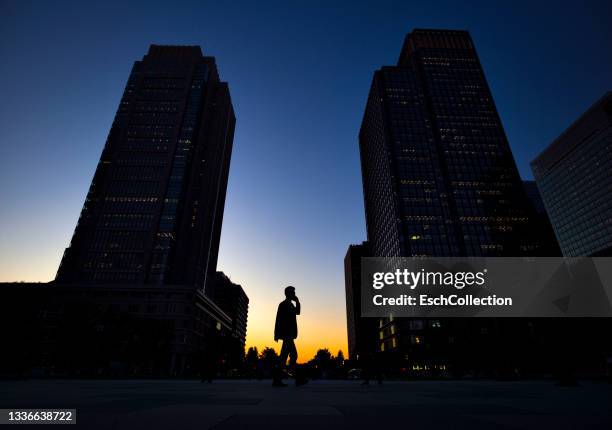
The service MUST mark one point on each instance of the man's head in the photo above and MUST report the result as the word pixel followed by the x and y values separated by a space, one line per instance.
pixel 290 292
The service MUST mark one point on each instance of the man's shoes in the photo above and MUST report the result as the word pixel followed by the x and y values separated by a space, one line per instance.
pixel 278 384
pixel 300 381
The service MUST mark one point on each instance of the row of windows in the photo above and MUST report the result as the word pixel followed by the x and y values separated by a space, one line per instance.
pixel 136 173
pixel 158 106
pixel 102 261
pixel 153 94
pixel 149 130
pixel 118 240
pixel 134 188
pixel 130 205
pixel 153 118
pixel 133 221
pixel 142 159
pixel 162 83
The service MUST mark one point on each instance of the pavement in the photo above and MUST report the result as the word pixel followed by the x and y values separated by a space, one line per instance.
pixel 238 404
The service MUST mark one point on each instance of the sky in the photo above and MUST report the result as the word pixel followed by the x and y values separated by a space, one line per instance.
pixel 299 74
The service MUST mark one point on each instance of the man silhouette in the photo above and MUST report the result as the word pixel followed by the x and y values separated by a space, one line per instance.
pixel 286 330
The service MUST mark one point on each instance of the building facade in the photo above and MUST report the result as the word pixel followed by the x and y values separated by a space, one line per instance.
pixel 133 295
pixel 573 177
pixel 361 331
pixel 439 179
pixel 154 209
pixel 232 299
pixel 113 330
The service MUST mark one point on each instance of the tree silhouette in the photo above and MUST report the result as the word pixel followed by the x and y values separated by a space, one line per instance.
pixel 323 355
pixel 340 357
pixel 325 365
pixel 252 355
pixel 268 354
pixel 268 359
pixel 251 362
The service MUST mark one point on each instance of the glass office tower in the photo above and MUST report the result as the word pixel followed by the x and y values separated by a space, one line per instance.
pixel 154 209
pixel 439 179
pixel 573 176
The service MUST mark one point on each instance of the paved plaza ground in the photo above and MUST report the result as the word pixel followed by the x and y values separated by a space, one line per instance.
pixel 184 404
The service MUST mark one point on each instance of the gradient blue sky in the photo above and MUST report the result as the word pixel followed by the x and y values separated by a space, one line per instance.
pixel 299 73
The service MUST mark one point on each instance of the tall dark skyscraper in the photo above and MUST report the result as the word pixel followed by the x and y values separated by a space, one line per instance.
pixel 147 239
pixel 439 179
pixel 573 176
pixel 154 209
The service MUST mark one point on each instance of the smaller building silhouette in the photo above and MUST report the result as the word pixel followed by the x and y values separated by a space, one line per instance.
pixel 361 331
pixel 232 299
pixel 75 330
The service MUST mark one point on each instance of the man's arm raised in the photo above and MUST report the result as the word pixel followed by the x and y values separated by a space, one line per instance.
pixel 277 324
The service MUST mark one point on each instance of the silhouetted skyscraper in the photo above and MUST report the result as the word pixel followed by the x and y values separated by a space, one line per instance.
pixel 573 176
pixel 154 209
pixel 148 238
pixel 439 179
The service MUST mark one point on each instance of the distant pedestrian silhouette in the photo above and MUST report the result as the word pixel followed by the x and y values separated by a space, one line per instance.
pixel 285 329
